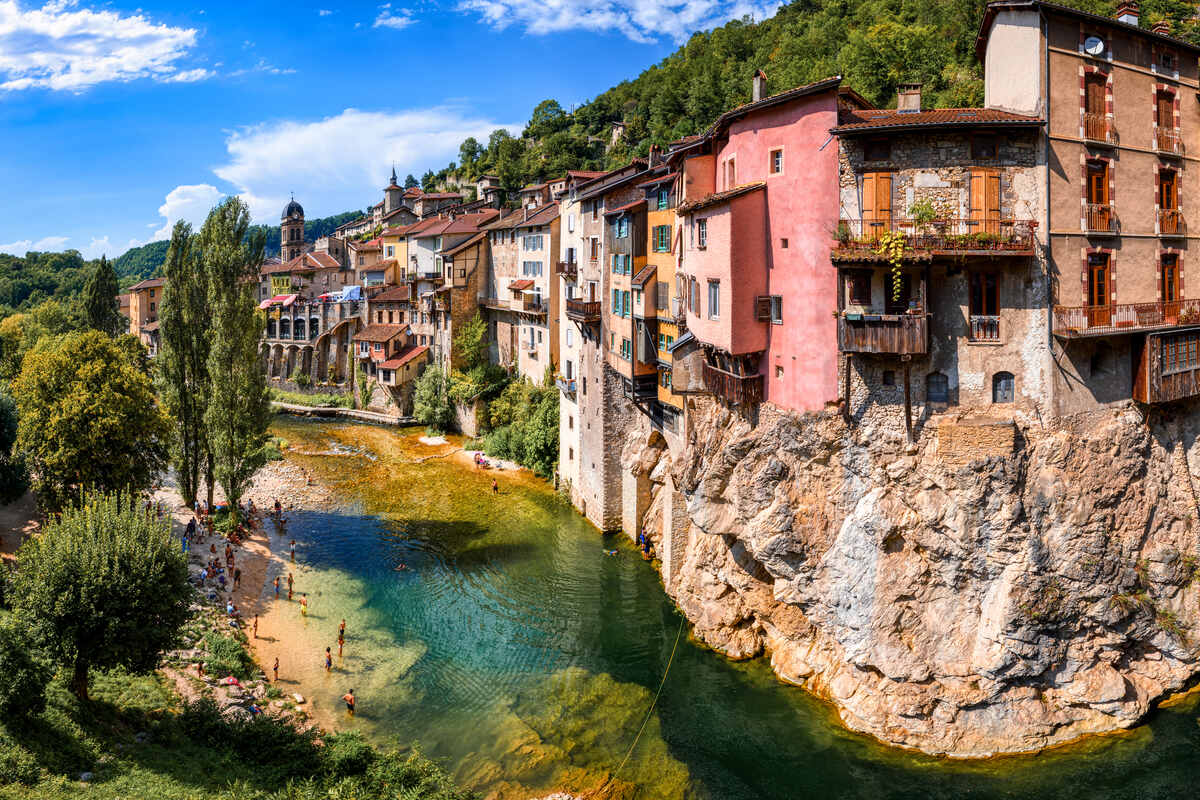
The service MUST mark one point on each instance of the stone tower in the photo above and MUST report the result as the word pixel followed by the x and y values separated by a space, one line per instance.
pixel 393 194
pixel 291 231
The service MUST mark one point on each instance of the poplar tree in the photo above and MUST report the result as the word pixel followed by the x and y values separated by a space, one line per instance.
pixel 100 300
pixel 182 362
pixel 239 408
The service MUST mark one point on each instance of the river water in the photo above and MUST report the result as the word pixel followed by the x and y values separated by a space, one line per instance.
pixel 500 634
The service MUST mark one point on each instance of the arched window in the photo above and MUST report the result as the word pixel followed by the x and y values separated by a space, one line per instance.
pixel 937 388
pixel 1004 387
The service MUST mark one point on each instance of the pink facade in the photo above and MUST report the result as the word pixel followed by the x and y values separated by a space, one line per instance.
pixel 771 240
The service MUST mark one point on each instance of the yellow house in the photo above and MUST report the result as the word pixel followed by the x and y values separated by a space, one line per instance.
pixel 394 258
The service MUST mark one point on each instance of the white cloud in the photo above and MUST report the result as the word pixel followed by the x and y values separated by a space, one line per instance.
pixel 639 20
pixel 62 48
pixel 104 247
pixel 46 245
pixel 324 12
pixel 263 66
pixel 398 21
pixel 190 203
pixel 189 76
pixel 342 162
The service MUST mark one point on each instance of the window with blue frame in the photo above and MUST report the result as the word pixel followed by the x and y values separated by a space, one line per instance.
pixel 664 198
pixel 623 228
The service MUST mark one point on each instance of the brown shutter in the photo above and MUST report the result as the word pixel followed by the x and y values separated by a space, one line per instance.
pixel 868 196
pixel 883 196
pixel 976 199
pixel 762 307
pixel 1166 111
pixel 1094 100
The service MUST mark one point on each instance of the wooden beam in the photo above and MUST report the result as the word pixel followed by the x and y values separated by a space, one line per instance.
pixel 846 390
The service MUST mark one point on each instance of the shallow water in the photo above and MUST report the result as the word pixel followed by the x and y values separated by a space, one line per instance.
pixel 497 633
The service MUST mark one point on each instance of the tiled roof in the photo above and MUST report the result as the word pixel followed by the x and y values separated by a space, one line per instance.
pixel 542 215
pixel 403 357
pixel 644 274
pixel 989 17
pixel 303 263
pixel 533 187
pixel 720 197
pixel 851 121
pixel 670 176
pixel 441 195
pixel 641 201
pixel 149 283
pixel 521 285
pixel 396 294
pixel 380 333
pixel 467 244
pixel 584 174
pixel 613 179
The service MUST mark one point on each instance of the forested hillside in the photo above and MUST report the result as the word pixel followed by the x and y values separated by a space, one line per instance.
pixel 29 280
pixel 873 44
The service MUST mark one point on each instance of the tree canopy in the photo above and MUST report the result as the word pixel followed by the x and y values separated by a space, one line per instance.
pixel 88 417
pixel 100 306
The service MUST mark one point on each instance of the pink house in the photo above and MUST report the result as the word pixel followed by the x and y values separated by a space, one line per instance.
pixel 759 208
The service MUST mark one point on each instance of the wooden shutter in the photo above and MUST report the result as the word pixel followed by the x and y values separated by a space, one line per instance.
pixel 1098 182
pixel 1165 104
pixel 1095 94
pixel 877 196
pixel 985 200
pixel 1168 195
pixel 762 307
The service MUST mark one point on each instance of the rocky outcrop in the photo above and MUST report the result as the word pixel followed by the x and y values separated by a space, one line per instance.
pixel 999 587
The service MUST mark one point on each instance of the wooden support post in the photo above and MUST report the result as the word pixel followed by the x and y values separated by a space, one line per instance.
pixel 846 390
pixel 908 399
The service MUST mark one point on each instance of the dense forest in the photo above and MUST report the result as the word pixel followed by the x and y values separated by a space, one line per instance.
pixel 874 44
pixel 36 277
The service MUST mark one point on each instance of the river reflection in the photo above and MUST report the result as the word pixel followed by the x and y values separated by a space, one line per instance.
pixel 498 634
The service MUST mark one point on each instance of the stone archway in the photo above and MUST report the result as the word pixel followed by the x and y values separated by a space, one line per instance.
pixel 276 360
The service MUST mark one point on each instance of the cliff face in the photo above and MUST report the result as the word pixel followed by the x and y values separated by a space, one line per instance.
pixel 1000 587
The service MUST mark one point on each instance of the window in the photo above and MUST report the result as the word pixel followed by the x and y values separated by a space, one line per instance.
pixel 662 292
pixel 1099 214
pixel 391 251
pixel 624 304
pixel 783 244
pixel 984 297
pixel 664 199
pixel 1003 387
pixel 985 201
pixel 859 281
pixel 662 238
pixel 777 161
pixel 777 309
pixel 616 264
pixel 877 149
pixel 694 296
pixel 664 379
pixel 616 302
pixel 984 147
pixel 1180 352
pixel 1164 110
pixel 623 227
pixel 626 349
pixel 937 388
pixel 702 233
pixel 714 299
pixel 1168 190
pixel 570 343
pixel 1095 107
pixel 637 296
pixel 1170 278
pixel 876 198
pixel 570 223
pixel 1098 288
pixel 595 249
pixel 889 377
pixel 897 301
pixel 595 209
pixel 730 173
pixel 570 454
pixel 1167 61
pixel 533 242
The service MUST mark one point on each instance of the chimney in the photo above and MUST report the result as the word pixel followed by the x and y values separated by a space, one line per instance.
pixel 526 217
pixel 908 98
pixel 760 85
pixel 1128 12
pixel 1163 26
pixel 655 156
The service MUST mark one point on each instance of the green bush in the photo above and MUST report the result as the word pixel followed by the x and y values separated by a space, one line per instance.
pixel 226 657
pixel 431 400
pixel 302 380
pixel 314 400
pixel 347 754
pixel 23 677
pixel 17 765
pixel 524 421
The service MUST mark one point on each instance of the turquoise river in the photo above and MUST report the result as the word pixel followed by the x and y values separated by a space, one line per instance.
pixel 499 634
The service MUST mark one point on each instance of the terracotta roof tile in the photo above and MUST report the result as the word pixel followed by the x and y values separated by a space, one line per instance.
pixel 396 294
pixel 149 283
pixel 720 197
pixel 850 121
pixel 670 176
pixel 404 356
pixel 380 333
pixel 641 201
pixel 520 286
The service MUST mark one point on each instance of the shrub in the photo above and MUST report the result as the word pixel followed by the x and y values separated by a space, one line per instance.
pixel 347 754
pixel 302 380
pixel 23 686
pixel 431 400
pixel 17 765
pixel 226 656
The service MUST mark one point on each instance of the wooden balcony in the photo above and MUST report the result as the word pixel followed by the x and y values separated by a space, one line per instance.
pixel 529 303
pixel 584 310
pixel 883 334
pixel 950 237
pixel 1168 142
pixel 1171 223
pixel 1082 321
pixel 1168 367
pixel 1099 218
pixel 567 269
pixel 738 390
pixel 643 387
pixel 1098 129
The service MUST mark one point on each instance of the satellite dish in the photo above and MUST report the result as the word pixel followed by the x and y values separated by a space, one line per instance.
pixel 1093 46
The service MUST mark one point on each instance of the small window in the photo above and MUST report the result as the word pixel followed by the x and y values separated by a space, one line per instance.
pixel 570 453
pixel 860 287
pixel 701 233
pixel 984 147
pixel 889 377
pixel 877 149
pixel 779 372
pixel 937 388
pixel 714 299
pixel 777 161
pixel 1003 387
pixel 1167 61
pixel 783 244
pixel 664 198
pixel 777 309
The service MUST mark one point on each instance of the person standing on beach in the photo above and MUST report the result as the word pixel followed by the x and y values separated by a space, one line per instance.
pixel 256 626
pixel 304 604
pixel 237 578
pixel 276 587
pixel 348 698
pixel 341 642
pixel 275 669
pixel 328 660
pixel 495 487
pixel 289 586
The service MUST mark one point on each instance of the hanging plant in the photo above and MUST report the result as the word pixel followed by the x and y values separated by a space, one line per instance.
pixel 890 246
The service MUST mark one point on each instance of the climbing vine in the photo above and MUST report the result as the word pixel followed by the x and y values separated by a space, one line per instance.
pixel 890 246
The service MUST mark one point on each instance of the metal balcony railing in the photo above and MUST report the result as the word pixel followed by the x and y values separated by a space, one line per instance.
pixel 1170 222
pixel 1168 141
pixel 1124 317
pixel 985 328
pixel 949 236
pixel 1100 218
pixel 1099 129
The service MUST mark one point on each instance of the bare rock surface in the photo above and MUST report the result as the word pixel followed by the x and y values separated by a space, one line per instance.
pixel 967 598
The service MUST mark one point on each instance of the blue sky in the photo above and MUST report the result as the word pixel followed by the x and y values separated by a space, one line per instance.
pixel 116 120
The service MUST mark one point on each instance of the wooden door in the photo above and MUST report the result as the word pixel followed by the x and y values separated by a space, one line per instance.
pixel 1168 201
pixel 876 202
pixel 1099 214
pixel 985 201
pixel 1095 116
pixel 1165 108
pixel 1099 315
pixel 1170 288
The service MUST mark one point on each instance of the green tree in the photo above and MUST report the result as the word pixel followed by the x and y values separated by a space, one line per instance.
pixel 428 181
pixel 103 586
pixel 431 400
pixel 88 418
pixel 14 479
pixel 100 300
pixel 23 690
pixel 410 182
pixel 470 346
pixel 239 407
pixel 182 362
pixel 548 117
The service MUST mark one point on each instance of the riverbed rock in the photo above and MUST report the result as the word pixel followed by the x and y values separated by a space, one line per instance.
pixel 958 597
